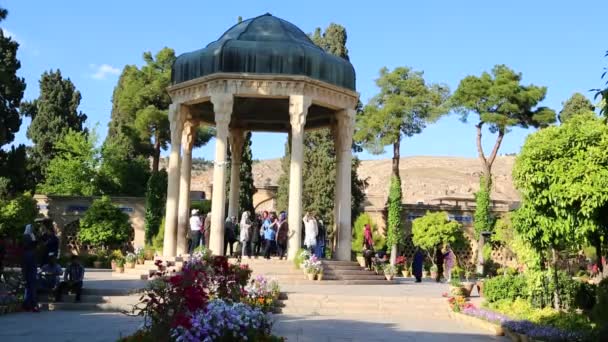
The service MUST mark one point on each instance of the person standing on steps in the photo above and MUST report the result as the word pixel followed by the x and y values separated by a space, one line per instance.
pixel 256 238
pixel 207 230
pixel 245 235
pixel 417 264
pixel 229 236
pixel 368 246
pixel 282 235
pixel 311 230
pixel 320 248
pixel 29 269
pixel 195 232
pixel 266 223
pixel 270 235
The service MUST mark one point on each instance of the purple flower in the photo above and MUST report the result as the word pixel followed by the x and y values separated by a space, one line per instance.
pixel 484 314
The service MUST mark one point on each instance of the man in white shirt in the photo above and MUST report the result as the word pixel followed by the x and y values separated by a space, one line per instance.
pixel 195 230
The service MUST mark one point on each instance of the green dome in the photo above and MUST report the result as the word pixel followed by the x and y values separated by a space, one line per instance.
pixel 265 45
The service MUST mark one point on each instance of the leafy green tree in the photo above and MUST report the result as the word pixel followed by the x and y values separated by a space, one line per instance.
pixel 403 107
pixel 156 196
pixel 247 188
pixel 483 220
pixel 434 230
pixel 14 178
pixel 11 87
pixel 53 114
pixel 333 40
pixel 603 94
pixel 395 234
pixel 73 169
pixel 359 226
pixel 122 172
pixel 16 213
pixel 576 104
pixel 562 174
pixel 105 225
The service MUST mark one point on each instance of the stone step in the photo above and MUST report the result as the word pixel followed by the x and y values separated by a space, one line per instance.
pixel 86 291
pixel 351 267
pixel 340 263
pixel 347 272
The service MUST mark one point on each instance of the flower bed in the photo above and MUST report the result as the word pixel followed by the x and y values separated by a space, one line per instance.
pixel 210 300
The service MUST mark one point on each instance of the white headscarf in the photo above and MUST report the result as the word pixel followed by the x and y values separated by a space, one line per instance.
pixel 29 230
pixel 245 224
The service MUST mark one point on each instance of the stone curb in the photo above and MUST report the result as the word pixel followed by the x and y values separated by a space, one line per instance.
pixel 496 329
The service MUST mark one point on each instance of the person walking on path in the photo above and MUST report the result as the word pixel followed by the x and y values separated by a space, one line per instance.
pixel 270 239
pixel 368 246
pixel 439 263
pixel 311 230
pixel 245 235
pixel 417 264
pixel 449 259
pixel 282 234
pixel 229 236
pixel 28 268
pixel 195 232
pixel 207 230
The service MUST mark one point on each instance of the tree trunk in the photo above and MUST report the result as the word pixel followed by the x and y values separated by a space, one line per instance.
pixel 396 157
pixel 556 296
pixel 156 155
pixel 393 255
pixel 598 253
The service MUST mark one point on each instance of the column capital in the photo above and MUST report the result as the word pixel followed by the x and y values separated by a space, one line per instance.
pixel 189 135
pixel 177 117
pixel 343 129
pixel 237 140
pixel 298 109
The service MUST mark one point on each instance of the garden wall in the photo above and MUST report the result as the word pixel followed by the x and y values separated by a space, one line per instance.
pixel 66 212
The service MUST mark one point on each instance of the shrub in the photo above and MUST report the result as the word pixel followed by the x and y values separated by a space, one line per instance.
pixel 104 224
pixel 203 206
pixel 505 287
pixel 600 310
pixel 156 194
pixel 457 273
pixel 16 213
pixel 301 256
pixel 357 241
pixel 157 242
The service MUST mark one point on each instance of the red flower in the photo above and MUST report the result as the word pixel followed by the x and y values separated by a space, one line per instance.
pixel 181 320
pixel 175 280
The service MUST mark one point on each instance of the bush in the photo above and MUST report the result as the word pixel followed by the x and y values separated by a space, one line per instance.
pixel 156 196
pixel 505 287
pixel 104 224
pixel 203 206
pixel 600 310
pixel 357 241
pixel 16 213
pixel 157 242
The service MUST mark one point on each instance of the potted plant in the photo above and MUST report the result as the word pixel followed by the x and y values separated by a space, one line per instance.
pixel 120 265
pixel 141 256
pixel 360 259
pixel 95 260
pixel 149 253
pixel 101 258
pixel 389 272
pixel 456 288
pixel 130 260
pixel 320 275
pixel 400 265
pixel 378 267
pixel 434 271
pixel 312 267
pixel 469 283
pixel 407 272
pixel 116 254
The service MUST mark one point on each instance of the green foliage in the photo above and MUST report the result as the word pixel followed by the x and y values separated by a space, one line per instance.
pixel 159 238
pixel 404 105
pixel 333 40
pixel 562 172
pixel 11 88
pixel 203 206
pixel 395 235
pixel 433 230
pixel 247 188
pixel 104 224
pixel 357 240
pixel 575 105
pixel 73 169
pixel 156 196
pixel 53 114
pixel 483 220
pixel 16 213
pixel 509 238
pixel 14 175
pixel 122 171
pixel 600 310
pixel 505 287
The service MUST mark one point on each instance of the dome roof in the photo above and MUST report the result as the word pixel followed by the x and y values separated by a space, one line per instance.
pixel 265 45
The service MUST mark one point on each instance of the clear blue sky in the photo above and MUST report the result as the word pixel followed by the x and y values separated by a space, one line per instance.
pixel 559 44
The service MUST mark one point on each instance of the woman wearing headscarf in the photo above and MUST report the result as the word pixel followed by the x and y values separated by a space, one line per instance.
pixel 229 236
pixel 311 230
pixel 245 235
pixel 449 258
pixel 368 246
pixel 282 234
pixel 29 269
pixel 256 238
pixel 417 264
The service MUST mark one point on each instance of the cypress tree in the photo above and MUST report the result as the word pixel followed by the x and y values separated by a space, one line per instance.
pixel 247 188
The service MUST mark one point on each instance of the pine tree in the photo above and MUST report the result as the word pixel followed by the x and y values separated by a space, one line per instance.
pixel 53 114
pixel 12 162
pixel 246 176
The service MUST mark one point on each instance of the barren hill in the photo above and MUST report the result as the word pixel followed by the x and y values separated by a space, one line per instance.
pixel 423 178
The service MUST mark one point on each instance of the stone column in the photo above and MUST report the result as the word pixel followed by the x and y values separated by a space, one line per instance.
pixel 222 107
pixel 176 121
pixel 343 135
pixel 188 137
pixel 237 139
pixel 298 108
